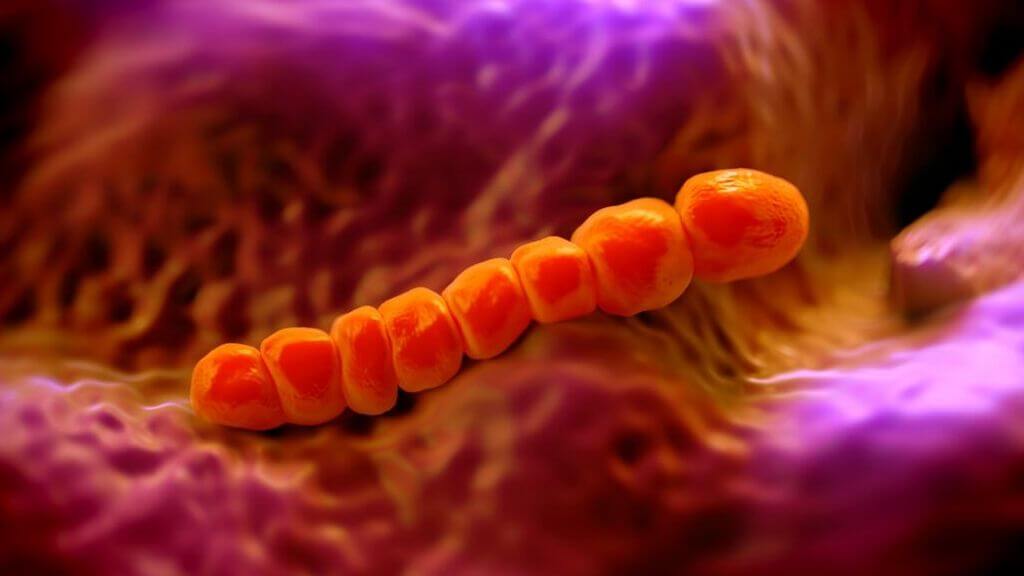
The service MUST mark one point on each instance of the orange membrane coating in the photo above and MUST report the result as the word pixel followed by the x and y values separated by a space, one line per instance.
pixel 557 279
pixel 425 342
pixel 368 375
pixel 231 386
pixel 306 369
pixel 741 223
pixel 489 306
pixel 639 254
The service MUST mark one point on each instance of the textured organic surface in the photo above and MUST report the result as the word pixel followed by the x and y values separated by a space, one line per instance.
pixel 181 174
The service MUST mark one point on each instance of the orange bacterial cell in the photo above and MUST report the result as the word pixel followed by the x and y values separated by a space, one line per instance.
pixel 230 386
pixel 639 254
pixel 307 371
pixel 557 279
pixel 426 345
pixel 368 375
pixel 741 223
pixel 489 306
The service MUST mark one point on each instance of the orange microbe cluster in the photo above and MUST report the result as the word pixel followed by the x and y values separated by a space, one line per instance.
pixel 625 259
pixel 489 305
pixel 368 373
pixel 557 279
pixel 639 253
pixel 741 223
pixel 425 342
pixel 231 386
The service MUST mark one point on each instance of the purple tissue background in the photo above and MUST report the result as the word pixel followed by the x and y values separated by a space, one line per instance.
pixel 186 173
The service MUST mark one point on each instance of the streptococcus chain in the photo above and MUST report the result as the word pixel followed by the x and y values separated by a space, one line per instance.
pixel 641 255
